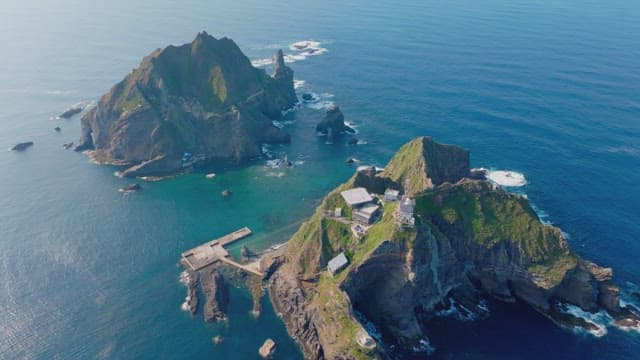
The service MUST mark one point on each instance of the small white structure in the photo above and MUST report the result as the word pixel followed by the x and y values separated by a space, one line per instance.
pixel 391 195
pixel 356 197
pixel 337 263
pixel 366 214
pixel 337 212
pixel 404 212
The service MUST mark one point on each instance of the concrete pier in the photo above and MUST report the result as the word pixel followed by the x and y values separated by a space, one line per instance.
pixel 214 251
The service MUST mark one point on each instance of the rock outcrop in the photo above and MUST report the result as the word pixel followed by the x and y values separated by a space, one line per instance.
pixel 333 124
pixel 22 146
pixel 471 240
pixel 217 292
pixel 203 99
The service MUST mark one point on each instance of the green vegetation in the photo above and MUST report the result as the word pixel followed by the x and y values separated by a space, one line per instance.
pixel 335 200
pixel 218 83
pixel 333 306
pixel 336 237
pixel 130 101
pixel 408 167
pixel 490 217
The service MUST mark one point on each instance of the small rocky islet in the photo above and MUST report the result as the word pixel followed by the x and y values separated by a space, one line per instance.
pixel 469 240
pixel 198 101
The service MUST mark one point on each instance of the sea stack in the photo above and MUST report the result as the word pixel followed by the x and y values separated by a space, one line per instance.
pixel 283 76
pixel 203 98
pixel 333 123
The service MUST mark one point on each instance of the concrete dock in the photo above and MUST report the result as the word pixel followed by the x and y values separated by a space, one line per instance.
pixel 214 251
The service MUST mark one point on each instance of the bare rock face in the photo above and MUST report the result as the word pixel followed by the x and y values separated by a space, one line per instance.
pixel 288 296
pixel 217 292
pixel 203 98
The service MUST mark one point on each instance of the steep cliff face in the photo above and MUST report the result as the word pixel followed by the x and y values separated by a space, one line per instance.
pixel 423 163
pixel 203 97
pixel 471 240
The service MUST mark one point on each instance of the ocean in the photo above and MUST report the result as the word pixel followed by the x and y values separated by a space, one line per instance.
pixel 549 89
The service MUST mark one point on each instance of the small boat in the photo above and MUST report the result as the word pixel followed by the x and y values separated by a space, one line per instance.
pixel 210 176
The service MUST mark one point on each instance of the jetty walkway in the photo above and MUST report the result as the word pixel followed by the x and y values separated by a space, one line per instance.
pixel 213 251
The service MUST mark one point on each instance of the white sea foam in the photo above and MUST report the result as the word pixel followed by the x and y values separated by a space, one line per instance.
pixel 267 150
pixel 507 178
pixel 278 174
pixel 185 307
pixel 283 123
pixel 301 50
pixel 362 142
pixel 353 126
pixel 321 101
pixel 262 62
pixel 299 84
pixel 424 347
pixel 599 320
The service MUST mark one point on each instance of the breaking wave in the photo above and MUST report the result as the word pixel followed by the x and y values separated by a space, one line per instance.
pixel 320 101
pixel 507 178
pixel 300 51
pixel 299 84
pixel 599 320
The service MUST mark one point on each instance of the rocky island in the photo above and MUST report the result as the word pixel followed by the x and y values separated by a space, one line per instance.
pixel 440 240
pixel 202 100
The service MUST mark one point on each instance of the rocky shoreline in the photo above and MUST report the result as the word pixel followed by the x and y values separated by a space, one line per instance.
pixel 472 240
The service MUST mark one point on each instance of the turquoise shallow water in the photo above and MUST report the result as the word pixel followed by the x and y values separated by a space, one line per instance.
pixel 550 89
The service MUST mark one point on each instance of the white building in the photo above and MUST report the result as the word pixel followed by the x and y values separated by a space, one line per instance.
pixel 366 214
pixel 337 263
pixel 356 197
pixel 404 212
pixel 391 195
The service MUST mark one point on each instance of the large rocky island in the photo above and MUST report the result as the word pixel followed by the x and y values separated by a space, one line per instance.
pixel 201 100
pixel 467 240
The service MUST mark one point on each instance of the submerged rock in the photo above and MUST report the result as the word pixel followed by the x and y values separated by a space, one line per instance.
pixel 217 339
pixel 307 97
pixel 22 146
pixel 201 98
pixel 57 128
pixel 67 114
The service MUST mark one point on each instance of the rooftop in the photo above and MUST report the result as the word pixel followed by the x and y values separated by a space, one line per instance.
pixel 337 263
pixel 356 196
pixel 392 192
pixel 369 209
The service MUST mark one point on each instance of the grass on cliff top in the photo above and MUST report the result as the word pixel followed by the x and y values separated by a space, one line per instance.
pixel 408 163
pixel 491 217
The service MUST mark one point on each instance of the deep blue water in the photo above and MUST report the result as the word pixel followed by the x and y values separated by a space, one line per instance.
pixel 547 88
